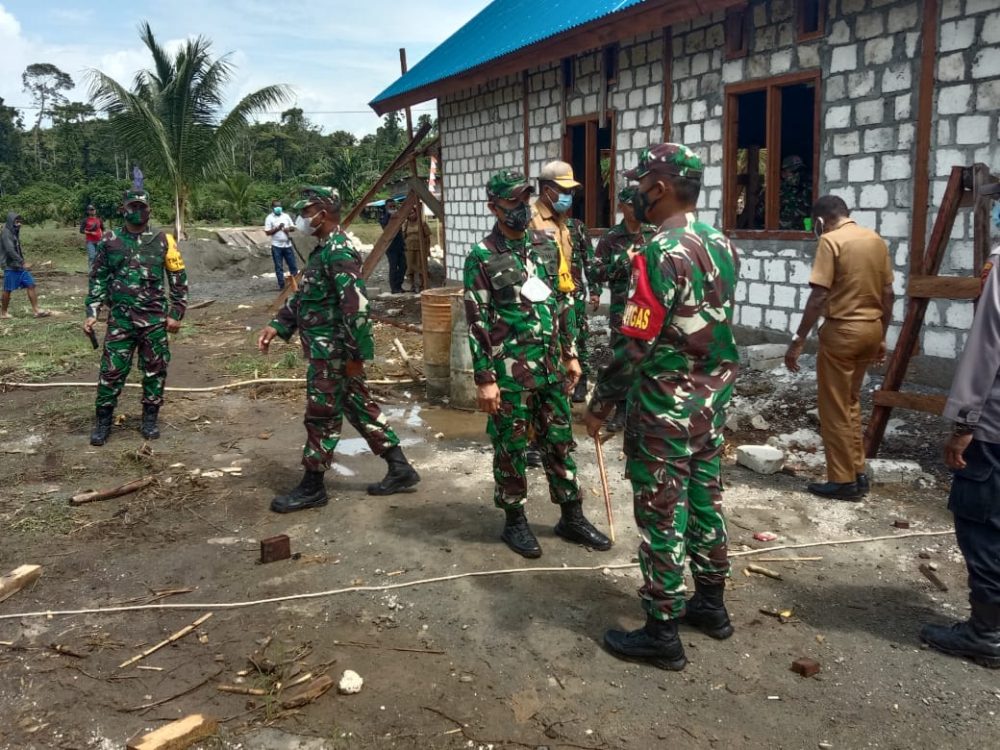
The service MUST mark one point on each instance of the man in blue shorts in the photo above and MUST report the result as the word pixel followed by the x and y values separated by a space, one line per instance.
pixel 15 271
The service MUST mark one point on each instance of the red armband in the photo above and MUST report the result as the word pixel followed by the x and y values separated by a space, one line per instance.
pixel 644 313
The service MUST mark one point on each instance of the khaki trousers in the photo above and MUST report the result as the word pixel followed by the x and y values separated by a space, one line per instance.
pixel 846 349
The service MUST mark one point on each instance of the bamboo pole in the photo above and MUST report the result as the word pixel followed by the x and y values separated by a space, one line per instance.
pixel 604 485
pixel 166 642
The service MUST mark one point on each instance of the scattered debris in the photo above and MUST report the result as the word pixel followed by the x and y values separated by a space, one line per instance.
pixel 17 579
pixel 166 642
pixel 763 459
pixel 91 496
pixel 765 536
pixel 782 615
pixel 177 735
pixel 892 471
pixel 762 571
pixel 931 576
pixel 806 667
pixel 240 690
pixel 901 523
pixel 350 683
pixel 759 423
pixel 275 548
pixel 307 693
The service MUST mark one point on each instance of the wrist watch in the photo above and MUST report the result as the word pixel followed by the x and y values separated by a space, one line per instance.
pixel 961 429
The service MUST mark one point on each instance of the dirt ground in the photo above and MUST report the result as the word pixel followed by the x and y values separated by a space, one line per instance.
pixel 505 661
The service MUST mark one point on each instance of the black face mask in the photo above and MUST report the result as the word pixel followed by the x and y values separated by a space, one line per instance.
pixel 517 218
pixel 641 205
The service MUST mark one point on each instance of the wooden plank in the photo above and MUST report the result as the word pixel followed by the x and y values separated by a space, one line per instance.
pixel 590 36
pixel 17 579
pixel 772 181
pixel 944 287
pixel 912 401
pixel 177 735
pixel 981 178
pixel 668 81
pixel 418 186
pixel 390 231
pixel 396 165
pixel 525 123
pixel 925 121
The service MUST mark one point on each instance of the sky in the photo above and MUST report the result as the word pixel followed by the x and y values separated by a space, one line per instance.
pixel 334 56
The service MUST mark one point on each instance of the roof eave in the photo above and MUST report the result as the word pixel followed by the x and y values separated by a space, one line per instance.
pixel 593 35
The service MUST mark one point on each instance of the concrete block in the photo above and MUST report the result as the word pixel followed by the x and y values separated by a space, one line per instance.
pixel 986 63
pixel 762 357
pixel 891 471
pixel 954 100
pixel 861 170
pixel 844 58
pixel 838 117
pixel 762 459
pixel 972 130
pixel 897 78
pixel 956 35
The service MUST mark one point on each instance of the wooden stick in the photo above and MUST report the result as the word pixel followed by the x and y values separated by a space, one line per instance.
pixel 761 570
pixel 207 389
pixel 788 559
pixel 604 485
pixel 91 496
pixel 931 576
pixel 240 690
pixel 406 358
pixel 17 579
pixel 200 305
pixel 166 642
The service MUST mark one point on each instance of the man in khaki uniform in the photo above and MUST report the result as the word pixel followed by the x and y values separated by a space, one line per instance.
pixel 417 236
pixel 550 214
pixel 851 284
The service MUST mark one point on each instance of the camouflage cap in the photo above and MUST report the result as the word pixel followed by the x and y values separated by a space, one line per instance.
pixel 668 158
pixel 628 194
pixel 135 196
pixel 792 163
pixel 310 194
pixel 508 185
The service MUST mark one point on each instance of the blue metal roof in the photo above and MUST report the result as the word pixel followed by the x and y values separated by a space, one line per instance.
pixel 504 26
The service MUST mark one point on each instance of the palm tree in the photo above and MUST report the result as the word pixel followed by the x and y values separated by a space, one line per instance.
pixel 171 121
pixel 237 193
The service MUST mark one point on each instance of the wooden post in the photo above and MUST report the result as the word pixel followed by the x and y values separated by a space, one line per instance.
pixel 423 250
pixel 925 121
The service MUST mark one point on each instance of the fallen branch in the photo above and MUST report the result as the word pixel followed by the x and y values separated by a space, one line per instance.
pixel 240 690
pixel 762 571
pixel 412 327
pixel 788 559
pixel 200 305
pixel 359 644
pixel 154 704
pixel 438 579
pixel 406 358
pixel 92 496
pixel 931 576
pixel 207 389
pixel 166 642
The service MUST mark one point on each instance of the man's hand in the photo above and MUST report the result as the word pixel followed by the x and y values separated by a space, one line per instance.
pixel 173 326
pixel 266 336
pixel 593 423
pixel 880 357
pixel 488 397
pixel 792 355
pixel 573 374
pixel 88 325
pixel 595 302
pixel 355 368
pixel 954 450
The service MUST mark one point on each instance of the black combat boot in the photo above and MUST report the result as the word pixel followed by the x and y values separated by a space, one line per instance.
pixel 580 392
pixel 310 493
pixel 707 612
pixel 656 643
pixel 149 429
pixel 836 490
pixel 617 421
pixel 401 476
pixel 574 527
pixel 864 485
pixel 977 639
pixel 533 455
pixel 518 535
pixel 102 426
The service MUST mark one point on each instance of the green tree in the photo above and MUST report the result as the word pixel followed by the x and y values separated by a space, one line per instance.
pixel 10 149
pixel 171 121
pixel 44 82
pixel 238 195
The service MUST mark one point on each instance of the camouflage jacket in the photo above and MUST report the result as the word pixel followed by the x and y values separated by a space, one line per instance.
pixel 128 276
pixel 680 383
pixel 571 237
pixel 796 204
pixel 613 266
pixel 330 309
pixel 516 343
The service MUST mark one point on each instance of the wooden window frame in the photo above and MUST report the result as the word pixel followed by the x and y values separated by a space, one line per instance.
pixel 590 196
pixel 772 207
pixel 801 35
pixel 738 19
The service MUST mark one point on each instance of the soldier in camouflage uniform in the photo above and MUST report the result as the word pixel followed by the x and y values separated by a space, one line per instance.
pixel 677 363
pixel 796 194
pixel 525 361
pixel 127 277
pixel 330 312
pixel 550 214
pixel 613 266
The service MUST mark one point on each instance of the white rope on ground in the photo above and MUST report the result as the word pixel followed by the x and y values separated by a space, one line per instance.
pixel 207 389
pixel 427 581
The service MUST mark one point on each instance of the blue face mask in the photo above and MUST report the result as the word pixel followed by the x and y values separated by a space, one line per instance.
pixel 996 214
pixel 564 203
pixel 277 210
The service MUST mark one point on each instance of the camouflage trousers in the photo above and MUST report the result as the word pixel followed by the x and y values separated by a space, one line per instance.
pixel 330 394
pixel 580 304
pixel 677 496
pixel 120 343
pixel 547 411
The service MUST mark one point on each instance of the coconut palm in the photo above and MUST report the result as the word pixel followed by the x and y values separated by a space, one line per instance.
pixel 171 118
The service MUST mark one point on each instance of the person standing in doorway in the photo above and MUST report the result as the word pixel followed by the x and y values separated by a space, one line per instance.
pixel 278 226
pixel 92 229
pixel 418 247
pixel 851 284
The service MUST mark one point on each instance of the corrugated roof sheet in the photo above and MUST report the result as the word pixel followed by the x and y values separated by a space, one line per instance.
pixel 504 26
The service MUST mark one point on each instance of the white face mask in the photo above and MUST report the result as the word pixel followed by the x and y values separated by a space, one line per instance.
pixel 304 225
